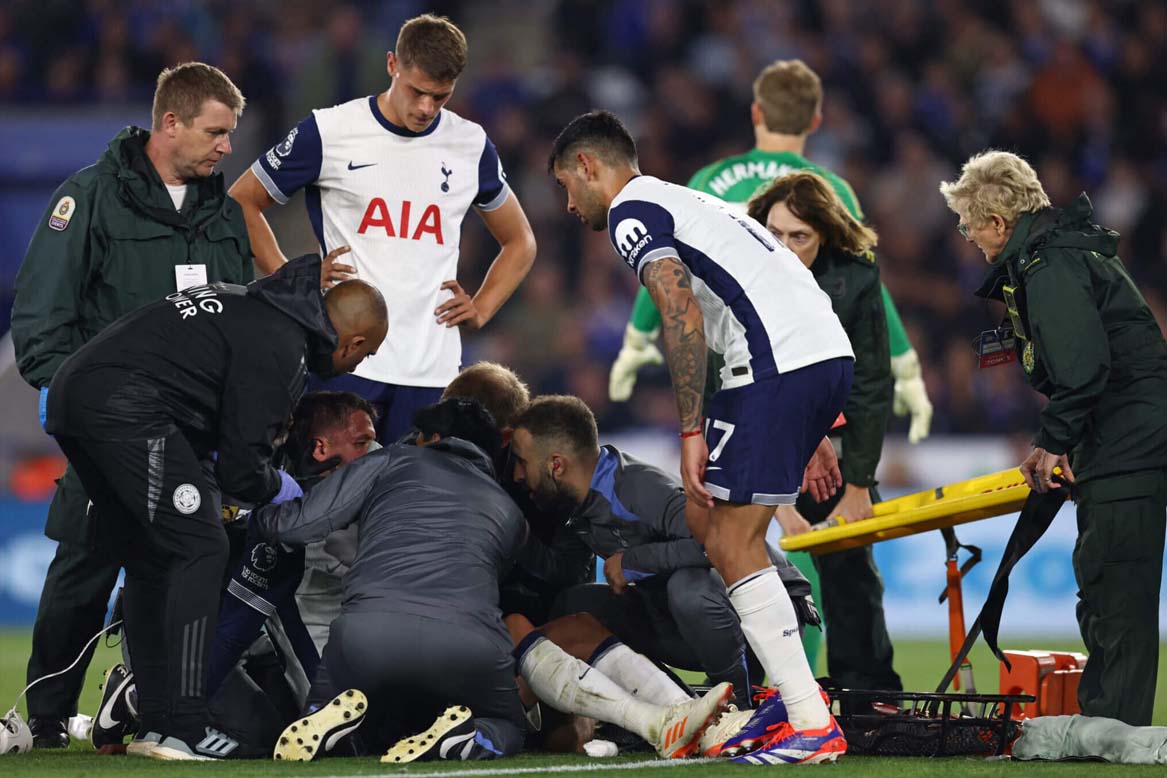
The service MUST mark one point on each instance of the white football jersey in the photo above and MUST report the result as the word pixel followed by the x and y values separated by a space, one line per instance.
pixel 398 198
pixel 763 309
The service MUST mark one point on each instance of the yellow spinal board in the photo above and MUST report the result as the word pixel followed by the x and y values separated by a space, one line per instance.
pixel 977 498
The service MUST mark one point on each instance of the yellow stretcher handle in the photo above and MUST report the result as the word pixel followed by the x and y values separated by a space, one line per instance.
pixel 977 498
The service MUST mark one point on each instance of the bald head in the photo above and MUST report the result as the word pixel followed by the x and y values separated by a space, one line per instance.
pixel 356 307
pixel 361 320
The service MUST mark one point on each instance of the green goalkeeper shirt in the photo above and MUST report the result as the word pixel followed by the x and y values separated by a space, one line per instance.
pixel 738 179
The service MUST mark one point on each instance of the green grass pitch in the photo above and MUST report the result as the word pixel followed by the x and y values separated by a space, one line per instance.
pixel 920 663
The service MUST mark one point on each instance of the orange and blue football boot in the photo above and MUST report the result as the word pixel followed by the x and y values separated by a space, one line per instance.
pixel 790 746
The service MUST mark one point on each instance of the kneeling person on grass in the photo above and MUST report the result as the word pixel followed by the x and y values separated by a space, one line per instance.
pixel 162 412
pixel 257 681
pixel 663 597
pixel 419 628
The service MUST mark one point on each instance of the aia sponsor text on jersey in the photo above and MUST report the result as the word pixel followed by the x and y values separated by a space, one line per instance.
pixel 400 224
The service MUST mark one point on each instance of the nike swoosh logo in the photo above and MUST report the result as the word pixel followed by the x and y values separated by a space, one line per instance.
pixel 332 739
pixel 351 166
pixel 449 743
pixel 714 467
pixel 104 718
pixel 535 717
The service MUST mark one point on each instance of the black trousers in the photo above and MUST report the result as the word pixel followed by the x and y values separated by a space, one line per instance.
pixel 157 512
pixel 1118 563
pixel 72 608
pixel 859 651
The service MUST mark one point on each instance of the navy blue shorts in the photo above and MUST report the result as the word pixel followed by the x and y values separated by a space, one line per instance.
pixel 395 404
pixel 762 435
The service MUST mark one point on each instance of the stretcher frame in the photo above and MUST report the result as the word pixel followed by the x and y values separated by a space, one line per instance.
pixel 965 501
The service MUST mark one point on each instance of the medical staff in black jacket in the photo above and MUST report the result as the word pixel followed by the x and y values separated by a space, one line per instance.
pixel 164 411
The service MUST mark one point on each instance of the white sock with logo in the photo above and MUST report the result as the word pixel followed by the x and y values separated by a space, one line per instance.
pixel 573 686
pixel 636 674
pixel 771 627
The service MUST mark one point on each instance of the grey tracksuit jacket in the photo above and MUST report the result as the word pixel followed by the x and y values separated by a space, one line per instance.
pixel 437 532
pixel 636 508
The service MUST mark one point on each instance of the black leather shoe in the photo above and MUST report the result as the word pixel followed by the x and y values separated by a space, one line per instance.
pixel 48 732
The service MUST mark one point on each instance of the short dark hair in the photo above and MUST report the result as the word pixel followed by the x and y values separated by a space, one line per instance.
pixel 460 417
pixel 183 89
pixel 564 417
pixel 435 45
pixel 600 131
pixel 496 386
pixel 320 412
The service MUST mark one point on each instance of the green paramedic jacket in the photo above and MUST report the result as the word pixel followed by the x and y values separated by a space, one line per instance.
pixel 1086 340
pixel 109 244
pixel 852 282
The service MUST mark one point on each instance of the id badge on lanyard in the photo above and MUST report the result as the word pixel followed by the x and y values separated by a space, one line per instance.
pixel 186 276
pixel 996 347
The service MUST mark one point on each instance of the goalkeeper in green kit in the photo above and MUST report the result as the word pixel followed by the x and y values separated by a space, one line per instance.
pixel 786 109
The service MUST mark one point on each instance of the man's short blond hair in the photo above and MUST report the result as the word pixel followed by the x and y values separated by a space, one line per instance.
pixel 790 95
pixel 994 182
pixel 435 45
pixel 497 387
pixel 183 89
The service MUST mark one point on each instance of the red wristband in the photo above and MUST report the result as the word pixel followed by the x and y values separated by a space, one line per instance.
pixel 690 434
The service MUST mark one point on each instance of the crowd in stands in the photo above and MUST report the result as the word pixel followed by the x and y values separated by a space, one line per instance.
pixel 912 88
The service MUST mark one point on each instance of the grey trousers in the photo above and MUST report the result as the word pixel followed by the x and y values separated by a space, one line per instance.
pixel 412 668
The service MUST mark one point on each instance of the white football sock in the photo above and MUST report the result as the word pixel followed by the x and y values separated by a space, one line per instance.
pixel 573 686
pixel 771 628
pixel 637 674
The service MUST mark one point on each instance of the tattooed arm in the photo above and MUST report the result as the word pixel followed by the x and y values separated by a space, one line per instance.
pixel 683 332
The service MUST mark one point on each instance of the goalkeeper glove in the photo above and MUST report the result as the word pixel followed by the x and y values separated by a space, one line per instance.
pixel 911 396
pixel 638 350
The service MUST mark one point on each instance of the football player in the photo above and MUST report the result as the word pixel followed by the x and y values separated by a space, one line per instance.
pixel 786 110
pixel 662 597
pixel 390 177
pixel 722 282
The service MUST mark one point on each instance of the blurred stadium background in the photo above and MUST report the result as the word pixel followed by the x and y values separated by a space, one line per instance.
pixel 913 87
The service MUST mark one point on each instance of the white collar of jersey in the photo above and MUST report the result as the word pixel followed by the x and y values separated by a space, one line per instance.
pixel 397 129
pixel 626 184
